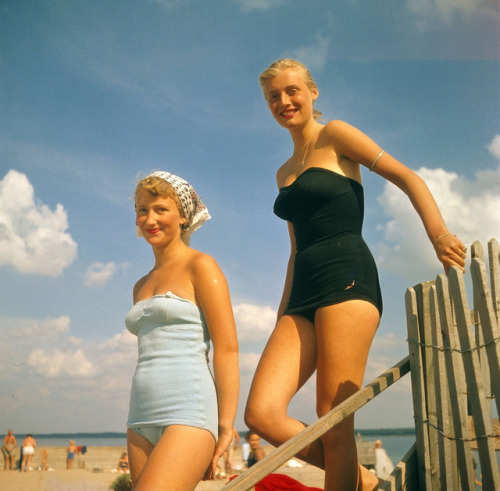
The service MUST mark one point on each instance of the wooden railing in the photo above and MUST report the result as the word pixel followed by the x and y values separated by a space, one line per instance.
pixel 454 365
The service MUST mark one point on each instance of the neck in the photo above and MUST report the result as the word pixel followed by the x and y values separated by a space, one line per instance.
pixel 167 254
pixel 301 136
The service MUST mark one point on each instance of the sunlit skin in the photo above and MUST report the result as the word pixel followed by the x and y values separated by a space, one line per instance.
pixel 336 345
pixel 184 455
pixel 158 218
pixel 290 100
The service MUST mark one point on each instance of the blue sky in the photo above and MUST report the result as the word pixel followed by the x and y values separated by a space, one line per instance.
pixel 95 94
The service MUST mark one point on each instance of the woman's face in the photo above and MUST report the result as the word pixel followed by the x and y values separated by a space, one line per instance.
pixel 289 98
pixel 254 441
pixel 158 218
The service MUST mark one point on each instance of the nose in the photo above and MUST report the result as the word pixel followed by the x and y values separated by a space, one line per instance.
pixel 285 99
pixel 150 217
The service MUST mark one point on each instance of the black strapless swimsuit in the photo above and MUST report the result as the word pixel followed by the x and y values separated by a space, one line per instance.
pixel 333 263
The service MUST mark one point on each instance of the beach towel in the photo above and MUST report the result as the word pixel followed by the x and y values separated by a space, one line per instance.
pixel 281 482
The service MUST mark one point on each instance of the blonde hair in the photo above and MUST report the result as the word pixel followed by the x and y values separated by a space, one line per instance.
pixel 278 66
pixel 158 187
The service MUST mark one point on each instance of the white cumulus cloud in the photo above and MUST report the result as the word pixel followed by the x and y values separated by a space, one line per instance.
pixel 253 322
pixel 446 9
pixel 470 209
pixel 494 147
pixel 98 274
pixel 250 5
pixel 57 363
pixel 33 238
pixel 315 55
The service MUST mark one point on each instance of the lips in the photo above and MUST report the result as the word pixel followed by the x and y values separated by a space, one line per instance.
pixel 288 114
pixel 152 231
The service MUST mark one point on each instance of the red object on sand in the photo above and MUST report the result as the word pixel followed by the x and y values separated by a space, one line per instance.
pixel 281 482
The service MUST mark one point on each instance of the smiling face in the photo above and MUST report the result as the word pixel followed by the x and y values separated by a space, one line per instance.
pixel 290 99
pixel 158 218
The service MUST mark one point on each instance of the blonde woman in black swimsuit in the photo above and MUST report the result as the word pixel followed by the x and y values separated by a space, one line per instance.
pixel 331 303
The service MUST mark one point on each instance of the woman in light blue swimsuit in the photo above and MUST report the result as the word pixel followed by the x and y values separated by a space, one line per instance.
pixel 181 416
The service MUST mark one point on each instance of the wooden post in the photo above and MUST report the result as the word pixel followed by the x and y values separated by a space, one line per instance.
pixel 494 258
pixel 447 454
pixel 418 390
pixel 459 431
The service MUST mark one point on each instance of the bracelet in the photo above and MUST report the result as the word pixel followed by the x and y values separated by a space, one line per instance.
pixel 441 237
pixel 376 160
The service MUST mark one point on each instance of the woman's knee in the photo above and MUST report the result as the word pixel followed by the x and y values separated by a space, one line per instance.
pixel 260 416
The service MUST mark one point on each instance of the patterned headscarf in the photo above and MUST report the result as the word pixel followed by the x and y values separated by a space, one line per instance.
pixel 195 211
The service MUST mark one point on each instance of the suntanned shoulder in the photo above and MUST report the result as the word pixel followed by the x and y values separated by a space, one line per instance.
pixel 138 286
pixel 282 173
pixel 202 263
pixel 337 129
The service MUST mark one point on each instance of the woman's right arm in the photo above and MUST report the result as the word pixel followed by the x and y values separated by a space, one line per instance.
pixel 289 273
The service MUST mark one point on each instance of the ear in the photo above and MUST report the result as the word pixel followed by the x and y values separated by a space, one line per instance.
pixel 315 93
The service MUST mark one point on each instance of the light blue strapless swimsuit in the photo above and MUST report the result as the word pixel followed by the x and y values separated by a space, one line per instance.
pixel 172 383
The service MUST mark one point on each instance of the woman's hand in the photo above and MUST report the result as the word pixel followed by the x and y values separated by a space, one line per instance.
pixel 225 439
pixel 451 252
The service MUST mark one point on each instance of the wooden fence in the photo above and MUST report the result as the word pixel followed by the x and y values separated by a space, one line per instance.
pixel 454 361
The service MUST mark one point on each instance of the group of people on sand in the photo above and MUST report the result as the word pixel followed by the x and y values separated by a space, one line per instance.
pixel 181 415
pixel 27 450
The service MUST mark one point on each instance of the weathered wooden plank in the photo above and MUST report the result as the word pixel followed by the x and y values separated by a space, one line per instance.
pixel 286 451
pixel 494 260
pixel 459 431
pixel 404 477
pixel 481 410
pixel 418 389
pixel 488 326
pixel 447 459
pixel 424 321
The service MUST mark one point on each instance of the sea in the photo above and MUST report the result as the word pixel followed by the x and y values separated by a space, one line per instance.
pixel 395 441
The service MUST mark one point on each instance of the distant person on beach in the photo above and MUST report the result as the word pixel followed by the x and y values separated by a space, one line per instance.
pixel 8 447
pixel 123 463
pixel 331 303
pixel 70 454
pixel 28 447
pixel 181 417
pixel 383 464
pixel 45 456
pixel 256 451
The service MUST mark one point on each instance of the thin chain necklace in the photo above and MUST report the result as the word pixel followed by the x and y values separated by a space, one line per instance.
pixel 303 161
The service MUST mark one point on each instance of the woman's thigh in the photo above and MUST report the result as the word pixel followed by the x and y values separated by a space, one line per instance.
pixel 344 334
pixel 287 362
pixel 179 460
pixel 138 449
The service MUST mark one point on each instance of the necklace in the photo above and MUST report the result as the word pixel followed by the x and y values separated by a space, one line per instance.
pixel 303 161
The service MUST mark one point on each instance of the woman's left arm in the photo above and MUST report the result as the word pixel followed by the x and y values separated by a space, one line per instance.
pixel 360 148
pixel 212 293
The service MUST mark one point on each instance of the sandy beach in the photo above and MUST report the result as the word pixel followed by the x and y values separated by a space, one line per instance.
pixel 96 470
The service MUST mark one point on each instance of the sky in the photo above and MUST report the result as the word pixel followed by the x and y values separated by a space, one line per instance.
pixel 95 95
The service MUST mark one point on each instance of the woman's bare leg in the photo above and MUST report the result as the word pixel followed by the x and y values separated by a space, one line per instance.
pixel 344 335
pixel 177 462
pixel 288 361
